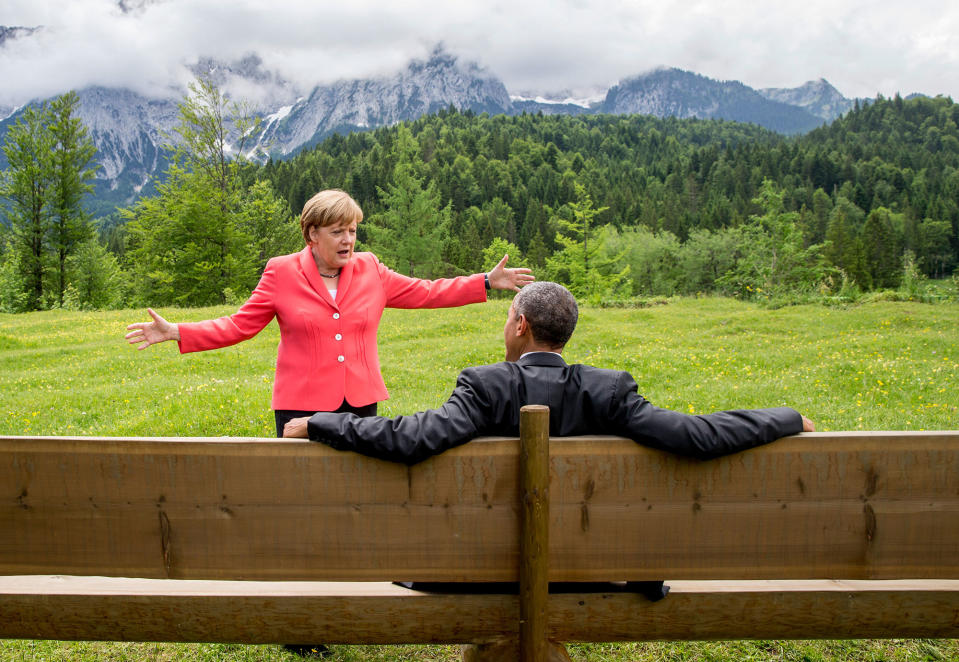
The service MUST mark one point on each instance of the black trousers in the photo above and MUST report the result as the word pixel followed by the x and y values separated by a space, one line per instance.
pixel 283 416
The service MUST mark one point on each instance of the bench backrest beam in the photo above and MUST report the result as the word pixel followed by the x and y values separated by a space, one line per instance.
pixel 823 505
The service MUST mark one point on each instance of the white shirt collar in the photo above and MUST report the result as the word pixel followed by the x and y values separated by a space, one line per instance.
pixel 540 351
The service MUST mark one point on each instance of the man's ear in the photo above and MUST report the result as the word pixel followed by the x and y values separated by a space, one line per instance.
pixel 522 326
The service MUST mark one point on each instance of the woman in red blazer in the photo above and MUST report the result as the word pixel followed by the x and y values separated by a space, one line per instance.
pixel 328 302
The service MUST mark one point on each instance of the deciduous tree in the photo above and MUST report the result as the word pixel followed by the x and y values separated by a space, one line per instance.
pixel 206 235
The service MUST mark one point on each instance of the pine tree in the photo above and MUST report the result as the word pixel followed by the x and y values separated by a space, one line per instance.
pixel 13 298
pixel 580 264
pixel 96 279
pixel 772 259
pixel 70 182
pixel 881 249
pixel 411 233
pixel 26 186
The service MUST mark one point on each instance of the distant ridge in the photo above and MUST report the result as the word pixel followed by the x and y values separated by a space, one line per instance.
pixel 129 129
pixel 677 93
pixel 816 96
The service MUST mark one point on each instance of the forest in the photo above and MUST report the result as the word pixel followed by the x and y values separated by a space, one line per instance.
pixel 618 208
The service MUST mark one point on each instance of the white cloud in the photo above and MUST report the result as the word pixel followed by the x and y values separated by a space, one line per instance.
pixel 539 45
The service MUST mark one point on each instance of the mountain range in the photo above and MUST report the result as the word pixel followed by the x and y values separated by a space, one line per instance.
pixel 129 129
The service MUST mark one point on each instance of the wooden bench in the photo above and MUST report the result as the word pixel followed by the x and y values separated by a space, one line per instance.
pixel 823 535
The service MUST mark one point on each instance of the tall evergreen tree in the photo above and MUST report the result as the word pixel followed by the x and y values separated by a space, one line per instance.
pixel 881 250
pixel 772 258
pixel 26 186
pixel 70 182
pixel 411 232
pixel 581 264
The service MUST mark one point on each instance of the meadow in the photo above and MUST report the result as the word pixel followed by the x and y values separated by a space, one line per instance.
pixel 874 366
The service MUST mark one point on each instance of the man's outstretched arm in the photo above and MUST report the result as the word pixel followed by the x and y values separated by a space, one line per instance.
pixel 701 436
pixel 406 439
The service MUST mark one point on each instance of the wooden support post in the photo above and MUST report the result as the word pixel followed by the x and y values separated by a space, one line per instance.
pixel 534 541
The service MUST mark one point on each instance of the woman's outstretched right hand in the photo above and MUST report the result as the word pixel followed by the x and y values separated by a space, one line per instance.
pixel 148 333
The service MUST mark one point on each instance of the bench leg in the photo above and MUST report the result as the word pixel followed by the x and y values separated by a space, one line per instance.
pixel 508 651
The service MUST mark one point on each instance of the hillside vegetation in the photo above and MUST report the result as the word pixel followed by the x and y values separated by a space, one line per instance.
pixel 615 207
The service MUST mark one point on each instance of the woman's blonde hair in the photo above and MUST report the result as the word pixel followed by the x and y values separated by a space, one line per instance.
pixel 330 207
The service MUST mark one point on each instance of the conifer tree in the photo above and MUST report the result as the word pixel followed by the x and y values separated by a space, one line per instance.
pixel 411 232
pixel 26 186
pixel 881 251
pixel 580 264
pixel 70 182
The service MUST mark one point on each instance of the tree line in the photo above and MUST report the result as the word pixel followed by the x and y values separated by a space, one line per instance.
pixel 616 207
pixel 47 233
pixel 868 199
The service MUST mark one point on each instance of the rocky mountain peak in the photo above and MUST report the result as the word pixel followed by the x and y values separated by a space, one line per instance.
pixel 130 129
pixel 424 86
pixel 669 92
pixel 135 6
pixel 818 97
pixel 247 79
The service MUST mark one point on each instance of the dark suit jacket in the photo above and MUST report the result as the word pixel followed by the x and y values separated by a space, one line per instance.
pixel 582 400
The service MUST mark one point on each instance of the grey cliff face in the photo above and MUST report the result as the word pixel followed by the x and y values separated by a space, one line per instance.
pixel 817 96
pixel 127 129
pixel 247 81
pixel 677 93
pixel 130 130
pixel 423 87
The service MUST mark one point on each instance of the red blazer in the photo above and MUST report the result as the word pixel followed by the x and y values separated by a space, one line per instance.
pixel 327 348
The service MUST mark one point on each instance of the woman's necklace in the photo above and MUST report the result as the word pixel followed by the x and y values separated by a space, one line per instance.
pixel 336 275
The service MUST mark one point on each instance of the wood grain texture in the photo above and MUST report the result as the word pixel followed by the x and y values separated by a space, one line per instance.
pixel 822 505
pixel 115 609
pixel 534 541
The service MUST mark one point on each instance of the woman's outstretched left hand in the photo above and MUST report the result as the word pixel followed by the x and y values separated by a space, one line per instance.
pixel 501 278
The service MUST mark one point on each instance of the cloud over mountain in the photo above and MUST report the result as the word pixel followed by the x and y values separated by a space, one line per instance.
pixel 540 45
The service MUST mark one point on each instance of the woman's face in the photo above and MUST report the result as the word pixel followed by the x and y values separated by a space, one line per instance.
pixel 332 245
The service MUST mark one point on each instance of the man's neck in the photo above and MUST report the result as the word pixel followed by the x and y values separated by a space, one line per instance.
pixel 539 347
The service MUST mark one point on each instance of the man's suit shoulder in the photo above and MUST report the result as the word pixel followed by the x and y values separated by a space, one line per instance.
pixel 489 370
pixel 506 369
pixel 606 373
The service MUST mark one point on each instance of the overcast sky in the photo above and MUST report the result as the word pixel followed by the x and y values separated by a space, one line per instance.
pixel 861 47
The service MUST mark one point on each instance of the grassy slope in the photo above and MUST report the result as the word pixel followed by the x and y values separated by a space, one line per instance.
pixel 877 366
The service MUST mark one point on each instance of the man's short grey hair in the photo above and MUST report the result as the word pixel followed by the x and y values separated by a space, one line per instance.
pixel 550 309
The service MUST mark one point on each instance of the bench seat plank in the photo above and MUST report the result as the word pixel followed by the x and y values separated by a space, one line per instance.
pixel 120 609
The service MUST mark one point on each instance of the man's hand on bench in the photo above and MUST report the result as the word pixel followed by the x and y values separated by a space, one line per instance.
pixel 296 427
pixel 807 426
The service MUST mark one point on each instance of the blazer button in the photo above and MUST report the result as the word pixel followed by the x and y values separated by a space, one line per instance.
pixel 336 316
pixel 339 336
pixel 341 358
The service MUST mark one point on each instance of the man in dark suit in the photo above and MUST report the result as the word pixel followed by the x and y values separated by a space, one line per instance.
pixel 582 400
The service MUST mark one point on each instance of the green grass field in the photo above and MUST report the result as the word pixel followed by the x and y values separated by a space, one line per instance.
pixel 880 366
